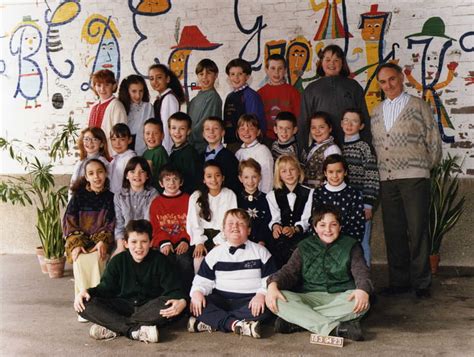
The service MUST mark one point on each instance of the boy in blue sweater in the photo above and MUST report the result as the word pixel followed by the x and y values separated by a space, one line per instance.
pixel 242 100
pixel 138 292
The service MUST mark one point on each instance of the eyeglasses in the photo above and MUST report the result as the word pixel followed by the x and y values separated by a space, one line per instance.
pixel 91 140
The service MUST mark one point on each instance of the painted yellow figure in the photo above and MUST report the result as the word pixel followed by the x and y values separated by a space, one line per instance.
pixel 374 25
pixel 178 61
pixel 299 57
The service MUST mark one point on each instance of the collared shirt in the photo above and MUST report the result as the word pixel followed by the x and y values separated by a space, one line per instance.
pixel 241 88
pixel 214 154
pixel 393 108
pixel 351 138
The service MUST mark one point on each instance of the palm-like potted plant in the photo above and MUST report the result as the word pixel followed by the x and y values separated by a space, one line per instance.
pixel 38 188
pixel 446 206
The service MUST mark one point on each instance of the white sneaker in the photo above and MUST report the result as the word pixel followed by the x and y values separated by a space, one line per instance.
pixel 197 326
pixel 248 328
pixel 101 333
pixel 81 319
pixel 146 334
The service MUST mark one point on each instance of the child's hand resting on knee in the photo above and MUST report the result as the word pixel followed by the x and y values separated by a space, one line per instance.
pixel 182 248
pixel 361 300
pixel 198 302
pixel 257 304
pixel 273 294
pixel 199 251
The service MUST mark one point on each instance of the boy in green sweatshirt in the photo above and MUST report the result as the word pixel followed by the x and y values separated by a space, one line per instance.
pixel 138 292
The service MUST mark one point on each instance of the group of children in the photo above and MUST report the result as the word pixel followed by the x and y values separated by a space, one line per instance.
pixel 226 201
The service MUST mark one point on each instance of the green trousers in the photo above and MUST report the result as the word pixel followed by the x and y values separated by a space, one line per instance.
pixel 318 312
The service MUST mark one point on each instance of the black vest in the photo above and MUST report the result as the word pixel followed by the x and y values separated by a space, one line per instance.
pixel 289 217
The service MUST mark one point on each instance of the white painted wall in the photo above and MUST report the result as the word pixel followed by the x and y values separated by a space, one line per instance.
pixel 216 19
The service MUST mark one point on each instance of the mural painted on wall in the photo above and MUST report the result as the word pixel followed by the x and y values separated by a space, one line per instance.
pixel 331 25
pixel 147 8
pixel 432 65
pixel 3 65
pixel 101 31
pixel 298 55
pixel 374 26
pixel 63 14
pixel 25 42
pixel 191 39
pixel 254 31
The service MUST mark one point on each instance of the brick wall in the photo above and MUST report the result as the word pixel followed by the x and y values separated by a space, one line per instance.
pixel 49 49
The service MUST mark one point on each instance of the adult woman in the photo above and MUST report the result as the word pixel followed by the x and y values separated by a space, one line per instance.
pixel 333 93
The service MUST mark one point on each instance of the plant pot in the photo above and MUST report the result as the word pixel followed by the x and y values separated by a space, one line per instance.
pixel 56 267
pixel 42 263
pixel 434 263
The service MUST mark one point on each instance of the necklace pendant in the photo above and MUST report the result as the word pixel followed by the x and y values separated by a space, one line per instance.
pixel 250 198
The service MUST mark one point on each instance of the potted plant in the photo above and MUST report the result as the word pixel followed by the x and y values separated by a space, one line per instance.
pixel 446 207
pixel 38 188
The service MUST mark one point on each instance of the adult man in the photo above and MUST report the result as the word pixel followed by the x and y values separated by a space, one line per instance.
pixel 406 139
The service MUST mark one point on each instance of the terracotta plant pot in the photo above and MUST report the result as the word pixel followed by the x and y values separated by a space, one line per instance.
pixel 434 263
pixel 56 267
pixel 42 263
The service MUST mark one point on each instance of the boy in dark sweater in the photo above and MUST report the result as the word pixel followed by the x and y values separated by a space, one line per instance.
pixel 362 169
pixel 213 132
pixel 242 100
pixel 138 292
pixel 184 156
pixel 335 283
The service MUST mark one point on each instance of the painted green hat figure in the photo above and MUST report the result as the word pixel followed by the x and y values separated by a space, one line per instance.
pixel 433 27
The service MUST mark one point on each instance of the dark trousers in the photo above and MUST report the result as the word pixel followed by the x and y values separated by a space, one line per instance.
pixel 184 266
pixel 405 207
pixel 122 316
pixel 220 312
pixel 283 247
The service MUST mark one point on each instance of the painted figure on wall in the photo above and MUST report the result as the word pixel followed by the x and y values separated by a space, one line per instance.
pixel 66 12
pixel 147 8
pixel 102 31
pixel 191 39
pixel 299 57
pixel 430 84
pixel 331 26
pixel 25 42
pixel 374 26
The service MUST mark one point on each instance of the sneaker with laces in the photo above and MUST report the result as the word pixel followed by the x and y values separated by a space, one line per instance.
pixel 101 333
pixel 146 334
pixel 197 326
pixel 283 326
pixel 248 328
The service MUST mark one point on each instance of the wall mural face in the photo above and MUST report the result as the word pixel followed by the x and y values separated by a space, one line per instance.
pixel 48 80
pixel 101 31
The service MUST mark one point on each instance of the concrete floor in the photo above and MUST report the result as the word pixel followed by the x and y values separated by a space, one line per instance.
pixel 37 319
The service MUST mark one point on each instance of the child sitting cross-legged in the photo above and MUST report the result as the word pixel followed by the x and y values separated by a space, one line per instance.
pixel 335 283
pixel 228 292
pixel 139 291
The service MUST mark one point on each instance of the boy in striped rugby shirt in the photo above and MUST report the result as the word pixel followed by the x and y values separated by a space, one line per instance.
pixel 228 292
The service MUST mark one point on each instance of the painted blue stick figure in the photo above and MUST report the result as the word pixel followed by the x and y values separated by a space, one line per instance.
pixel 25 42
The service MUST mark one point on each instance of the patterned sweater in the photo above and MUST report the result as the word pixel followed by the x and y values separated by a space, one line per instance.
pixel 363 172
pixel 411 147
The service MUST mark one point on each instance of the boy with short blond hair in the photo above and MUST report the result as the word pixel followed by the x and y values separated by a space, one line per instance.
pixel 205 104
pixel 242 100
pixel 184 156
pixel 277 95
pixel 228 292
pixel 285 129
pixel 213 133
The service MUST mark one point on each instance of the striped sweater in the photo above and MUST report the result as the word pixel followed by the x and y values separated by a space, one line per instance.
pixel 363 173
pixel 411 147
